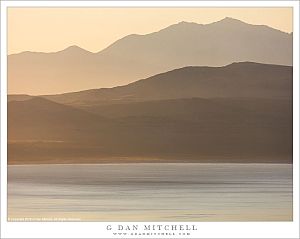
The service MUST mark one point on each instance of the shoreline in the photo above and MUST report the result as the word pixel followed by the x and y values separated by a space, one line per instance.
pixel 166 159
pixel 127 163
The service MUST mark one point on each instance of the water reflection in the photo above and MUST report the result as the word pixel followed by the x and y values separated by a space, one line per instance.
pixel 152 192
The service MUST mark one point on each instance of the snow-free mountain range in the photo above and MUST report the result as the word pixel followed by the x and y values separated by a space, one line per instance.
pixel 220 92
pixel 136 57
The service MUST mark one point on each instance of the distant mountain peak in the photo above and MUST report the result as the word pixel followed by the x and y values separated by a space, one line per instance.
pixel 224 20
pixel 74 48
pixel 182 25
pixel 227 21
pixel 230 20
pixel 187 23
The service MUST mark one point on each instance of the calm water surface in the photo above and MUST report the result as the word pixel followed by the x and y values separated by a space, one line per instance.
pixel 151 192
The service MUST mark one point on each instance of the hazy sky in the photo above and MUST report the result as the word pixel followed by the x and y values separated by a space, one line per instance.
pixel 53 29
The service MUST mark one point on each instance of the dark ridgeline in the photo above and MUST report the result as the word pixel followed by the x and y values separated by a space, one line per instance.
pixel 136 57
pixel 238 113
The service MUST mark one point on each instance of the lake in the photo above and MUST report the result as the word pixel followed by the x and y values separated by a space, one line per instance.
pixel 151 192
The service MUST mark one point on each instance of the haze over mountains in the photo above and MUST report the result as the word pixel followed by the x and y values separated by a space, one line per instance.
pixel 238 113
pixel 136 57
pixel 245 79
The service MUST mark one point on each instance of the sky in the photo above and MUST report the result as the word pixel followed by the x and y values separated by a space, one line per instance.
pixel 54 29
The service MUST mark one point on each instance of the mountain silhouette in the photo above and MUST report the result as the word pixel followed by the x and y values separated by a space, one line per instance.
pixel 245 79
pixel 179 130
pixel 139 56
pixel 42 119
pixel 238 113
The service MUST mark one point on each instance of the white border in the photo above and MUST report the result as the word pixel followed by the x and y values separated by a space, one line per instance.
pixel 97 229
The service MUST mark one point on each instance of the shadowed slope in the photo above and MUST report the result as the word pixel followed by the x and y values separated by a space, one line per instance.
pixel 245 79
pixel 192 130
pixel 41 119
